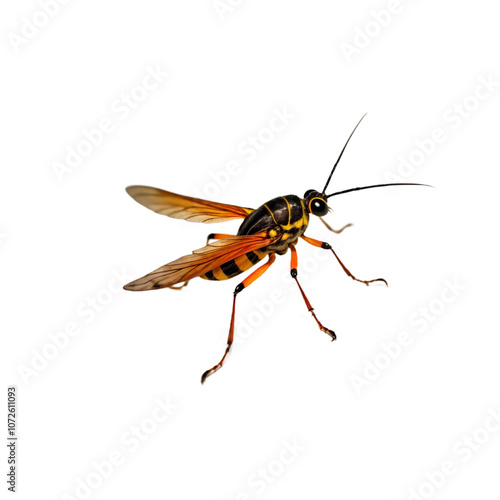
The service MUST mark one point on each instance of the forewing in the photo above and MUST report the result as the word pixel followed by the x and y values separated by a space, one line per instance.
pixel 200 262
pixel 185 207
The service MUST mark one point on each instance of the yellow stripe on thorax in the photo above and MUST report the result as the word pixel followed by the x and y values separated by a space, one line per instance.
pixel 296 225
pixel 271 212
pixel 301 222
pixel 289 210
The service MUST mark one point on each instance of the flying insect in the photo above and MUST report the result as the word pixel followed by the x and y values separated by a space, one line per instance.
pixel 273 228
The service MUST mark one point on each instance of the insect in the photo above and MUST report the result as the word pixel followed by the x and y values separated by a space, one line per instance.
pixel 273 228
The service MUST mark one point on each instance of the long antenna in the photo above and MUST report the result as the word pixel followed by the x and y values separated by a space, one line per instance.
pixel 341 153
pixel 377 186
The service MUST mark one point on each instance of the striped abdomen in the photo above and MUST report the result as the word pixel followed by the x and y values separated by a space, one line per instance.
pixel 235 266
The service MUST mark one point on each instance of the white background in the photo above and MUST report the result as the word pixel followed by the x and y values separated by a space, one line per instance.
pixel 64 237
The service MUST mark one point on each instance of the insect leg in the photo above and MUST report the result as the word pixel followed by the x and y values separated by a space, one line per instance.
pixel 327 246
pixel 245 283
pixel 218 236
pixel 293 272
pixel 337 231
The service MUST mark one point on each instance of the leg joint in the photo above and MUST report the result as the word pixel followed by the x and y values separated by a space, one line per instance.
pixel 239 288
pixel 293 273
pixel 326 246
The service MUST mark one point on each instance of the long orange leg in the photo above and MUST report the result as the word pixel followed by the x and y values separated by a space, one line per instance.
pixel 293 272
pixel 218 236
pixel 327 246
pixel 245 283
pixel 337 231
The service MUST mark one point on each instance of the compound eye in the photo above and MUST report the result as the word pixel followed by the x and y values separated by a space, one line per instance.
pixel 318 207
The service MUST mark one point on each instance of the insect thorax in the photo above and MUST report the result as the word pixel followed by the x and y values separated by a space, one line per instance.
pixel 284 216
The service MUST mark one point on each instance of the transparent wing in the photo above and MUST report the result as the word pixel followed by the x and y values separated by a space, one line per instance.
pixel 185 207
pixel 200 261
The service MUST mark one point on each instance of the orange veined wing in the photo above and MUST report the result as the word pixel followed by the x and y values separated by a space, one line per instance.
pixel 185 207
pixel 201 261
